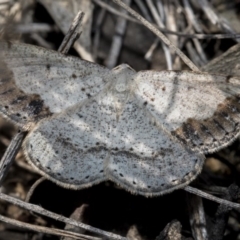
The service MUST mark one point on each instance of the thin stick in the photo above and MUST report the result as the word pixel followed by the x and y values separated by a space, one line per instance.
pixel 160 35
pixel 167 31
pixel 143 9
pixel 41 41
pixel 159 22
pixel 211 197
pixel 114 11
pixel 197 217
pixel 72 34
pixel 10 154
pixel 33 187
pixel 120 28
pixel 44 212
pixel 42 229
pixel 96 38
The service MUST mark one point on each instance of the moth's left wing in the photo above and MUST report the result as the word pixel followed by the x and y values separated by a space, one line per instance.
pixel 35 82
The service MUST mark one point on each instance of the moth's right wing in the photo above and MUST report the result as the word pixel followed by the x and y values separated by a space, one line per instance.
pixel 228 63
pixel 36 82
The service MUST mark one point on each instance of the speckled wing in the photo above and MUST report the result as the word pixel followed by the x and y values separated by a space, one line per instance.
pixel 92 142
pixel 202 110
pixel 36 82
pixel 146 159
pixel 71 148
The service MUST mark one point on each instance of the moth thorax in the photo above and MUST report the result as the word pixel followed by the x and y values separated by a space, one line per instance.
pixel 120 87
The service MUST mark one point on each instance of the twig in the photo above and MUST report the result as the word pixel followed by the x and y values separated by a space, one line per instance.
pixel 160 35
pixel 3 2
pixel 44 212
pixel 41 41
pixel 96 38
pixel 114 11
pixel 167 31
pixel 190 16
pixel 159 22
pixel 143 9
pixel 10 154
pixel 160 8
pixel 171 232
pixel 32 27
pixel 213 17
pixel 222 215
pixel 149 53
pixel 192 21
pixel 170 22
pixel 41 229
pixel 72 34
pixel 115 49
pixel 192 53
pixel 33 187
pixel 211 197
pixel 78 215
pixel 197 217
pixel 155 14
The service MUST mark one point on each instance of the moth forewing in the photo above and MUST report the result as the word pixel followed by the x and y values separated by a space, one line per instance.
pixel 36 82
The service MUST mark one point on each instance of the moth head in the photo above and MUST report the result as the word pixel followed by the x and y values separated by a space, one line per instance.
pixel 123 75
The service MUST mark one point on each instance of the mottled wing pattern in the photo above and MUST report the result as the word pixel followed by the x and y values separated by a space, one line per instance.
pixel 146 159
pixel 35 82
pixel 72 147
pixel 92 142
pixel 202 110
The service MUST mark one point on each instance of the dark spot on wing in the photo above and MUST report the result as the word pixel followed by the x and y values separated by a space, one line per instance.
pixel 48 66
pixel 35 106
pixel 19 100
pixel 18 105
pixel 74 75
pixel 79 115
pixel 211 134
pixel 228 78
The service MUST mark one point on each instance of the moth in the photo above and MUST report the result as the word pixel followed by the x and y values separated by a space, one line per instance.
pixel 147 131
